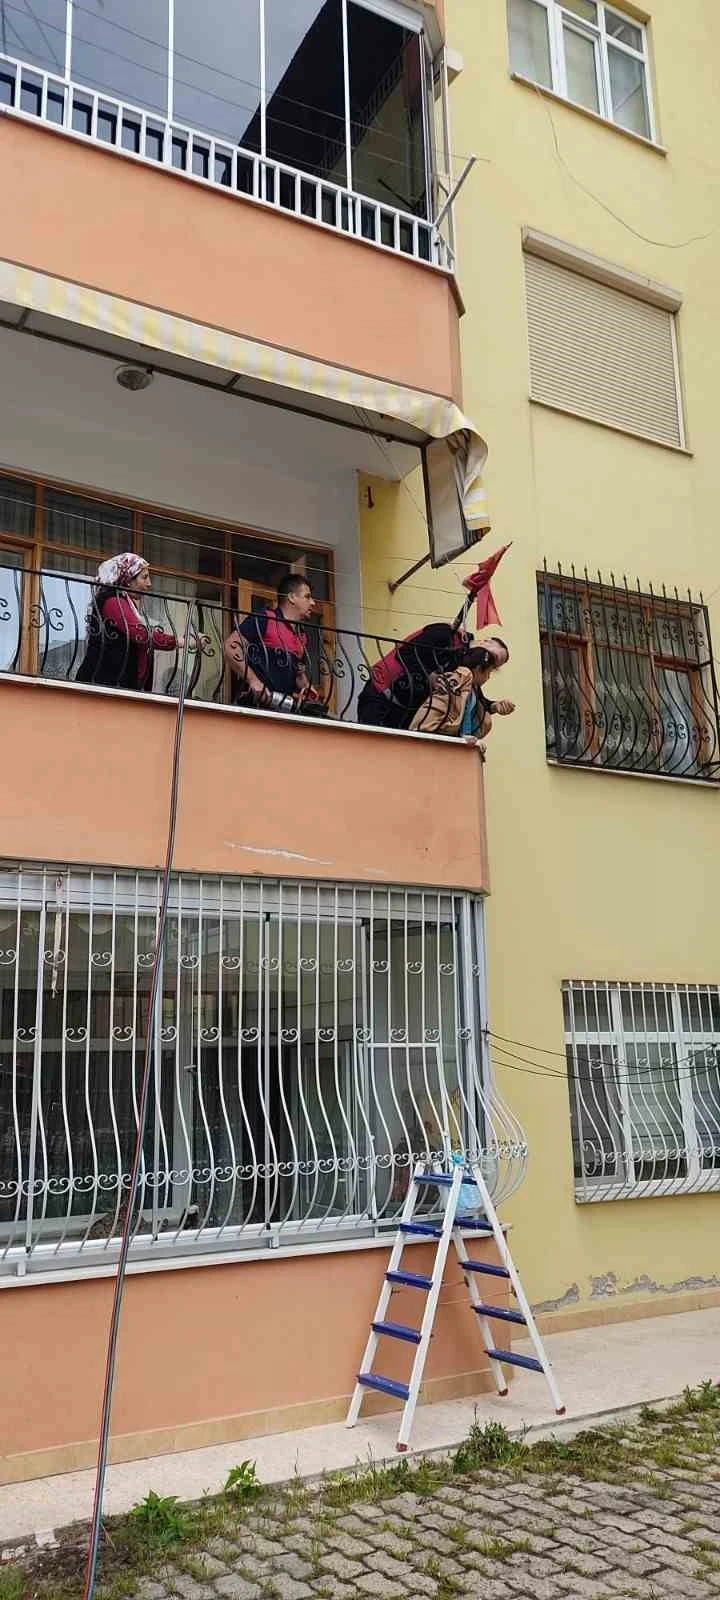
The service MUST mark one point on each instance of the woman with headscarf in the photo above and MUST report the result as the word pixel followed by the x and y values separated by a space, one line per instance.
pixel 120 644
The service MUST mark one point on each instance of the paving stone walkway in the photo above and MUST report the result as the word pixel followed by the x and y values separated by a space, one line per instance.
pixel 495 1535
pixel 625 1514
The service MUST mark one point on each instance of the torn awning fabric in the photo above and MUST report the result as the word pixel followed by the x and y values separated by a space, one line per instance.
pixel 455 454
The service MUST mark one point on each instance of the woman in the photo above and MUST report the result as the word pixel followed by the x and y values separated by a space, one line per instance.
pixel 457 704
pixel 120 644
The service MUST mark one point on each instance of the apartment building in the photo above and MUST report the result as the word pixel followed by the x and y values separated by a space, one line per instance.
pixel 588 250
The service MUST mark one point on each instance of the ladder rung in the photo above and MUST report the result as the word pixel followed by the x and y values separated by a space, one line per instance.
pixel 434 1177
pixel 516 1361
pixel 373 1380
pixel 500 1314
pixel 485 1266
pixel 421 1227
pixel 397 1330
pixel 479 1224
pixel 414 1280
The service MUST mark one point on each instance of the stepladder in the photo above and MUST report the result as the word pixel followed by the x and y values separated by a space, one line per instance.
pixel 462 1211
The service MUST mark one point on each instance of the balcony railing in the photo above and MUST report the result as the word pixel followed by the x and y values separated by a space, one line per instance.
pixel 629 678
pixel 310 1043
pixel 91 115
pixel 50 628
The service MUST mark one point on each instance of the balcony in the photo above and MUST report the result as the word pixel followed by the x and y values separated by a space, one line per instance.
pixel 314 163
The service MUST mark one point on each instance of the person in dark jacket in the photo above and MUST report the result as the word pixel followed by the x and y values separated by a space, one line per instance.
pixel 268 653
pixel 401 681
pixel 120 644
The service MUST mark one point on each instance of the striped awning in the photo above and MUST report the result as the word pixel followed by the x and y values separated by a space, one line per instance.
pixel 432 415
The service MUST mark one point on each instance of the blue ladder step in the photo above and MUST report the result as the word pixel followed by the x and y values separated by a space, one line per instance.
pixel 434 1177
pixel 485 1266
pixel 500 1314
pixel 372 1380
pixel 421 1227
pixel 413 1280
pixel 516 1361
pixel 478 1223
pixel 397 1330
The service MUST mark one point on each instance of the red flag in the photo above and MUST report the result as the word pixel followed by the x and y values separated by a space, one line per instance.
pixel 478 583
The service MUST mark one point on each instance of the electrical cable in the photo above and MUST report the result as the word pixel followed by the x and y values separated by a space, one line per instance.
pixel 507 1058
pixel 127 1231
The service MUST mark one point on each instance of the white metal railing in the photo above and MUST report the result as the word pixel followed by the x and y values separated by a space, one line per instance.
pixel 310 1044
pixel 644 1076
pixel 91 115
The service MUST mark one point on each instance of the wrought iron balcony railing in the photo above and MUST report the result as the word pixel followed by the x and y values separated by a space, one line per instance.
pixel 143 135
pixel 50 627
pixel 629 678
pixel 311 1042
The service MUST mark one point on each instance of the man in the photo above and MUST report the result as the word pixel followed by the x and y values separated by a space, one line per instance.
pixel 401 681
pixel 268 652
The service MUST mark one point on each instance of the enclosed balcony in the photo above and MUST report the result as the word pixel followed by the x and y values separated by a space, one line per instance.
pixel 302 151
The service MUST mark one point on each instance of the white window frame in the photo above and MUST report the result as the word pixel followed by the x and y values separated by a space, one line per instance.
pixel 610 1044
pixel 558 16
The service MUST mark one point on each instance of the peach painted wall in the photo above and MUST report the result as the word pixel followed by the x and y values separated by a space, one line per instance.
pixel 87 776
pixel 95 218
pixel 208 1344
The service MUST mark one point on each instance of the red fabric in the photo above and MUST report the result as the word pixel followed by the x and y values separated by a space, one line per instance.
pixel 478 583
pixel 121 613
pixel 281 635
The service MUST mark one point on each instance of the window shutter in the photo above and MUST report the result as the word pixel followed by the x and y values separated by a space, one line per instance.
pixel 601 352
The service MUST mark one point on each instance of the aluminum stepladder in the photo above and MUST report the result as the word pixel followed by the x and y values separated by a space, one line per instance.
pixel 450 1230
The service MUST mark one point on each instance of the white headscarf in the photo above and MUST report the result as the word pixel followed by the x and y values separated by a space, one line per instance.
pixel 120 570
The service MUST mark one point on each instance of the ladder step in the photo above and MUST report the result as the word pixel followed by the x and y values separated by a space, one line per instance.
pixel 373 1380
pixel 434 1177
pixel 398 1330
pixel 485 1266
pixel 421 1227
pixel 414 1280
pixel 500 1314
pixel 478 1223
pixel 516 1361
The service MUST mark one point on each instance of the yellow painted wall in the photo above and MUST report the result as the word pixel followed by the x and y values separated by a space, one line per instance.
pixel 593 875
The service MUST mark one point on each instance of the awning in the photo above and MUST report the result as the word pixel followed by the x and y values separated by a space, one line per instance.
pixel 457 504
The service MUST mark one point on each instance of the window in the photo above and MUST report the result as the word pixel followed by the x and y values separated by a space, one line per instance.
pixel 643 1066
pixel 628 679
pixel 600 351
pixel 313 1039
pixel 588 52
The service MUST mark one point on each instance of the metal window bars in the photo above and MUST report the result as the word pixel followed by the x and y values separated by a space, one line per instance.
pixel 51 627
pixel 143 135
pixel 643 1066
pixel 629 681
pixel 311 1044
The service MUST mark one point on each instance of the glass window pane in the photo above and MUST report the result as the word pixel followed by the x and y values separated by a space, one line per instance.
pixel 34 32
pixel 582 85
pixel 619 28
pixel 529 41
pixel 88 525
pixel 582 8
pixel 629 92
pixel 306 86
pixel 11 582
pixel 216 59
pixel 121 46
pixel 17 506
pixel 182 547
pixel 386 111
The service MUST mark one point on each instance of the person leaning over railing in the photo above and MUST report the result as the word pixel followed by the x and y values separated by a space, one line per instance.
pixel 268 653
pixel 399 682
pixel 457 703
pixel 120 644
